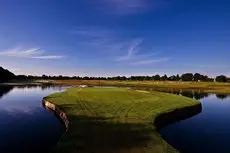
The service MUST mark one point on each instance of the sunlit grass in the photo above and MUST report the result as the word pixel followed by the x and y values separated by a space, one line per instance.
pixel 209 87
pixel 115 120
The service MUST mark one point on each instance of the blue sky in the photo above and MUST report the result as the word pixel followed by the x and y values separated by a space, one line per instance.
pixel 115 37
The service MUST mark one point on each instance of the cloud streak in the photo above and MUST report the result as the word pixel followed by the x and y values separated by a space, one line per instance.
pixel 127 6
pixel 123 51
pixel 33 53
pixel 145 62
pixel 123 7
pixel 133 49
pixel 133 56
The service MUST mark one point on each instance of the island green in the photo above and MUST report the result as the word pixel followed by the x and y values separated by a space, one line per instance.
pixel 115 120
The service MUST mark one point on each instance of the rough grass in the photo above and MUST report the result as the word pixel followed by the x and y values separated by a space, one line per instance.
pixel 209 87
pixel 115 120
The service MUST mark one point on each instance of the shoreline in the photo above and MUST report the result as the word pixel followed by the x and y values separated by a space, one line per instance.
pixel 165 119
pixel 206 87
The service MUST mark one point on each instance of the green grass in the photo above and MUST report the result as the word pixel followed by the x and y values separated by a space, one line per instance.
pixel 208 87
pixel 115 120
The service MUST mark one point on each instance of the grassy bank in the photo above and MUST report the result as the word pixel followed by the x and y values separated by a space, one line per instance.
pixel 115 120
pixel 209 87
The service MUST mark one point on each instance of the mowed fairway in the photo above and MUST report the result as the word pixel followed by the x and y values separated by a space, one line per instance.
pixel 115 120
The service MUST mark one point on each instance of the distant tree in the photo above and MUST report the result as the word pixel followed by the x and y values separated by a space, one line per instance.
pixel 5 75
pixel 178 77
pixel 85 78
pixel 153 77
pixel 123 78
pixel 76 78
pixel 138 78
pixel 210 80
pixel 197 77
pixel 228 79
pixel 44 76
pixel 221 78
pixel 164 78
pixel 204 78
pixel 60 77
pixel 157 77
pixel 30 77
pixel 132 78
pixel 148 78
pixel 187 77
pixel 173 78
pixel 21 77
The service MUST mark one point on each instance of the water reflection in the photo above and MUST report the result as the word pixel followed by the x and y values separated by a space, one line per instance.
pixel 222 96
pixel 4 90
pixel 205 132
pixel 190 93
pixel 25 125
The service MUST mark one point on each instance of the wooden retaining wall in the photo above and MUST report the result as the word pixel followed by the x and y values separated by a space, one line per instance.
pixel 62 115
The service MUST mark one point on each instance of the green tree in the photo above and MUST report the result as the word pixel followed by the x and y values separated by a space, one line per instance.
pixel 164 78
pixel 221 78
pixel 5 75
pixel 197 77
pixel 187 77
pixel 178 77
pixel 157 77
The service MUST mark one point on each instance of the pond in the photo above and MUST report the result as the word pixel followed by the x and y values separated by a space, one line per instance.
pixel 209 131
pixel 25 125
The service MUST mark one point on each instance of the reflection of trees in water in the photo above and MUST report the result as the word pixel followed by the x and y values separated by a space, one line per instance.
pixel 176 92
pixel 196 94
pixel 33 86
pixel 47 86
pixel 200 95
pixel 4 90
pixel 43 86
pixel 187 94
pixel 222 96
pixel 191 93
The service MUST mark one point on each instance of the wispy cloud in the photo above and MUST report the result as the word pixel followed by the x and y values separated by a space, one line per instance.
pixel 121 50
pixel 134 57
pixel 132 6
pixel 101 38
pixel 144 62
pixel 133 49
pixel 34 53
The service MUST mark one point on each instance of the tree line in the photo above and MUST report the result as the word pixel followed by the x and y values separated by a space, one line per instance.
pixel 6 75
pixel 184 77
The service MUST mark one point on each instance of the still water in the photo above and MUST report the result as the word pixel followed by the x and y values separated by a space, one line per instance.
pixel 25 125
pixel 207 132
